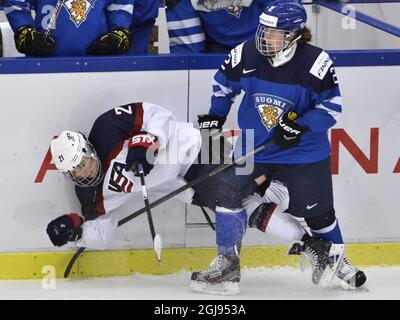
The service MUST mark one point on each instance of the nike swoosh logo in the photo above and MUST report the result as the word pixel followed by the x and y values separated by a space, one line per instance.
pixel 312 206
pixel 289 138
pixel 248 71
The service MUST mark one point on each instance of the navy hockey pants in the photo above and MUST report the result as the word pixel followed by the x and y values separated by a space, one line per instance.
pixel 309 185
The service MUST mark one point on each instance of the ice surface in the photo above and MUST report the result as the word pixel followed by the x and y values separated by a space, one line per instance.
pixel 257 283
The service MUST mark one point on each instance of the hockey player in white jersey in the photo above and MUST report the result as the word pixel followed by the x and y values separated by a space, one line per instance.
pixel 104 167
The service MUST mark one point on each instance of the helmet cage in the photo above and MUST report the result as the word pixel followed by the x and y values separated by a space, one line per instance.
pixel 271 41
pixel 89 172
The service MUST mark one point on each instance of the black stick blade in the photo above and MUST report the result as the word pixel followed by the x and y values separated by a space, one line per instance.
pixel 72 261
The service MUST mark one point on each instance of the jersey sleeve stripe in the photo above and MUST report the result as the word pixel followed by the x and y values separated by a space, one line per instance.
pixel 328 107
pixel 221 91
pixel 138 122
pixel 185 32
pixel 10 9
pixel 121 7
pixel 183 24
pixel 336 100
pixel 194 38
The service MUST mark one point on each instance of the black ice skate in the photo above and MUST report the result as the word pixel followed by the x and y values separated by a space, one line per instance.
pixel 351 276
pixel 222 277
pixel 325 258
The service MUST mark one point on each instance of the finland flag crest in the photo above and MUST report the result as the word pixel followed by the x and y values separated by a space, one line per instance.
pixel 270 108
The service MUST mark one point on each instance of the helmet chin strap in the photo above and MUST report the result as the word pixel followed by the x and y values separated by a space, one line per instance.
pixel 285 55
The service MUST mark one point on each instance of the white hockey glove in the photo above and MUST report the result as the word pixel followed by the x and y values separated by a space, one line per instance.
pixel 269 211
pixel 252 202
pixel 277 193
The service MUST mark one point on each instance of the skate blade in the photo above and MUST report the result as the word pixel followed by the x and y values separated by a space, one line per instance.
pixel 330 273
pixel 351 287
pixel 223 288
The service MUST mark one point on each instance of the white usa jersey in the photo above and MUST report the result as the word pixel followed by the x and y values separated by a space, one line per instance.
pixel 179 145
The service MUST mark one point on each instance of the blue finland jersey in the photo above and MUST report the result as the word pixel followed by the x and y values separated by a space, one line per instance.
pixel 307 85
pixel 79 24
pixel 144 11
pixel 144 18
pixel 189 29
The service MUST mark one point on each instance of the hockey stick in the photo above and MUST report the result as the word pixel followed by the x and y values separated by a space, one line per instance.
pixel 207 217
pixel 54 17
pixel 157 241
pixel 172 194
pixel 194 182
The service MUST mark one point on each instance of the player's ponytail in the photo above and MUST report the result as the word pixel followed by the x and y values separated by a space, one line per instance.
pixel 306 35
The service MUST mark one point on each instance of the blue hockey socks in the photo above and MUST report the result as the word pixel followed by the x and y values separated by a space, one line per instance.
pixel 331 233
pixel 230 228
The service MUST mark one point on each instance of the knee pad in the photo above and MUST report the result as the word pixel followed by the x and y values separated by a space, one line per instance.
pixel 321 221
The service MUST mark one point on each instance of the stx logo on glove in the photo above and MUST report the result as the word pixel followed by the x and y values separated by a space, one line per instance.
pixel 143 140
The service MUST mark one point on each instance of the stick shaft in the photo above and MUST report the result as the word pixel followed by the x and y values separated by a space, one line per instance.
pixel 192 183
pixel 146 201
pixel 54 17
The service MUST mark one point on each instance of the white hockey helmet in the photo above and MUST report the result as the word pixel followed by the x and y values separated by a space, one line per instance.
pixel 74 155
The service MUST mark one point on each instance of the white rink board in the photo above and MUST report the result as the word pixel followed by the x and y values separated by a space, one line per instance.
pixel 367 204
pixel 335 31
pixel 46 104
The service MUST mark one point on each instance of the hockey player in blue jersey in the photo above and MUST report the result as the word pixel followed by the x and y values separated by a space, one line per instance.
pixel 211 26
pixel 82 27
pixel 291 97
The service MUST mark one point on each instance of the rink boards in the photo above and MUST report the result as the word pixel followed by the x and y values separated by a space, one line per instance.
pixel 48 265
pixel 40 98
